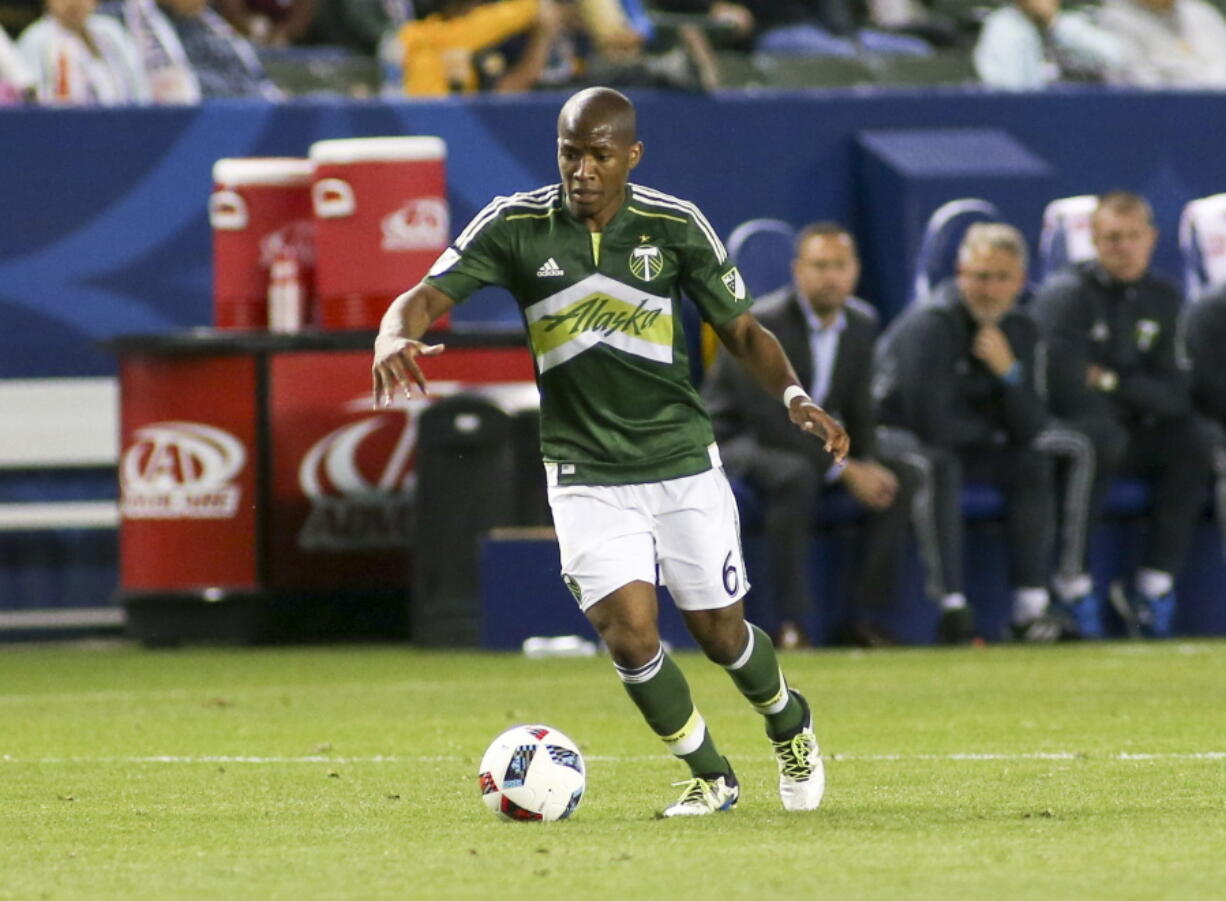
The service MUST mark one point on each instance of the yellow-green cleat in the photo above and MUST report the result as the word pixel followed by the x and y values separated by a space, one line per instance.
pixel 802 776
pixel 706 794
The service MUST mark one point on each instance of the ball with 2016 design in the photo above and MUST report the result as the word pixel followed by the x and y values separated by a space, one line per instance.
pixel 532 772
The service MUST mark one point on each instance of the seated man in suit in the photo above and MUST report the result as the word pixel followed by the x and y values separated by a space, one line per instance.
pixel 829 336
pixel 1117 373
pixel 959 374
pixel 1206 337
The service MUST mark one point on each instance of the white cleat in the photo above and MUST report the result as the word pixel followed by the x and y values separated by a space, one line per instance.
pixel 703 796
pixel 802 776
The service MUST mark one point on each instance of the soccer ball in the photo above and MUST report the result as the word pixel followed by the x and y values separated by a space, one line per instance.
pixel 532 773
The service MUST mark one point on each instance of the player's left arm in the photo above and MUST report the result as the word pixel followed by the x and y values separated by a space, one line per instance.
pixel 758 350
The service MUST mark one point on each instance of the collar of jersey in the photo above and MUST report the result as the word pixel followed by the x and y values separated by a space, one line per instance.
pixel 610 225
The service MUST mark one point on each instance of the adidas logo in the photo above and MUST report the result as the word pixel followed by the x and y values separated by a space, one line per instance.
pixel 549 269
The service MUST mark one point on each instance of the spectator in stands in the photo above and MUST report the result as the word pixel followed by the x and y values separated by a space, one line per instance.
pixel 913 17
pixel 16 79
pixel 15 15
pixel 805 27
pixel 189 52
pixel 829 336
pixel 80 58
pixel 1168 43
pixel 959 374
pixel 516 45
pixel 1117 373
pixel 629 51
pixel 454 49
pixel 733 21
pixel 824 28
pixel 270 23
pixel 617 29
pixel 1206 336
pixel 1030 44
pixel 356 25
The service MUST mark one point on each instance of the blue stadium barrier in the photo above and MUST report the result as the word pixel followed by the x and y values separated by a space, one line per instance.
pixel 117 241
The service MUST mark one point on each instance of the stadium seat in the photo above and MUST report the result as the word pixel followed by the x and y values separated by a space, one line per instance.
pixel 1202 243
pixel 1066 233
pixel 321 70
pixel 944 67
pixel 737 70
pixel 786 71
pixel 762 250
pixel 938 253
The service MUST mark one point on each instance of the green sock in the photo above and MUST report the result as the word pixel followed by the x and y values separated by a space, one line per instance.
pixel 660 691
pixel 758 676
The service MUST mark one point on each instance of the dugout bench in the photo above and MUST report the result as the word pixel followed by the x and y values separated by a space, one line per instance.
pixel 522 594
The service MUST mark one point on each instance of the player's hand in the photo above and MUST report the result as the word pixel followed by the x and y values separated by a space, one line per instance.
pixel 870 483
pixel 991 347
pixel 812 418
pixel 396 364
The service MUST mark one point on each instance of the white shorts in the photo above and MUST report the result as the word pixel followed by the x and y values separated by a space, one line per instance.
pixel 682 533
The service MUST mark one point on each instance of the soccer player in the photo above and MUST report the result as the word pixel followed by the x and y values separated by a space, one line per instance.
pixel 597 266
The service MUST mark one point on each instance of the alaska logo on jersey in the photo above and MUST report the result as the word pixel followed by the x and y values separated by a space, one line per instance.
pixel 600 310
pixel 646 262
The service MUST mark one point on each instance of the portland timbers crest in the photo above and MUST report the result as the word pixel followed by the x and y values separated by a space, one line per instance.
pixel 646 262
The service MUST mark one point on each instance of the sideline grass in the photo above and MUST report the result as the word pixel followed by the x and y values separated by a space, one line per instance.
pixel 350 773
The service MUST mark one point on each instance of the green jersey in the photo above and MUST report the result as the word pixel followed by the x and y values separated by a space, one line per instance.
pixel 603 317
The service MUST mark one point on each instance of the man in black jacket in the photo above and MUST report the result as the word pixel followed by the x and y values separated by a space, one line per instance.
pixel 1206 337
pixel 829 336
pixel 960 374
pixel 1118 373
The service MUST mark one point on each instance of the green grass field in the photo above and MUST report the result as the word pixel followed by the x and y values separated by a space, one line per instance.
pixel 1076 772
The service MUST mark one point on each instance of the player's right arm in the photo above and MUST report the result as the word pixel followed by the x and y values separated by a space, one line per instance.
pixel 398 344
pixel 476 258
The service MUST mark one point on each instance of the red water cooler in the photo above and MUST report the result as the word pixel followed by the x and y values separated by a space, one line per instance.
pixel 381 220
pixel 261 214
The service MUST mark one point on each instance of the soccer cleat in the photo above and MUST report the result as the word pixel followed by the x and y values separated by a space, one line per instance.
pixel 957 626
pixel 706 794
pixel 1144 617
pixel 1046 628
pixel 1123 603
pixel 1083 616
pixel 1162 613
pixel 802 777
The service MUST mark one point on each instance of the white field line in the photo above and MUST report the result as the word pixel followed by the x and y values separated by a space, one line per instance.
pixel 459 758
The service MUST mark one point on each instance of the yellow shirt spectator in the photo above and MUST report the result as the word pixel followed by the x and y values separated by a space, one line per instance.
pixel 438 51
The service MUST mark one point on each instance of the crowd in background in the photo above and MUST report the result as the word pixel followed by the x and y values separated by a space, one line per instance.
pixel 82 52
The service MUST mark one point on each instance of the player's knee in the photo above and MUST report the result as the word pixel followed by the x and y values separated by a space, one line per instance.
pixel 720 633
pixel 632 639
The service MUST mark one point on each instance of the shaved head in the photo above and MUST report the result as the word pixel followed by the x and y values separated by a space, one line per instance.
pixel 597 148
pixel 599 110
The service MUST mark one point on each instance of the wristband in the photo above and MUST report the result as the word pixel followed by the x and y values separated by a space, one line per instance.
pixel 791 393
